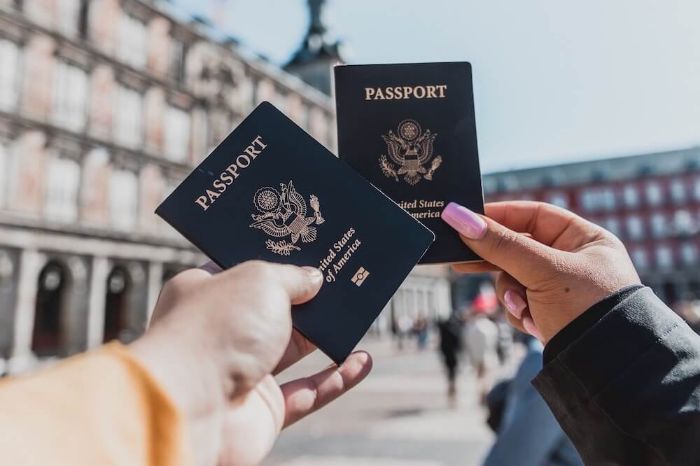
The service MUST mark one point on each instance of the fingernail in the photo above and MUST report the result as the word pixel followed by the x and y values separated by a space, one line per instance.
pixel 514 303
pixel 531 328
pixel 466 222
pixel 315 275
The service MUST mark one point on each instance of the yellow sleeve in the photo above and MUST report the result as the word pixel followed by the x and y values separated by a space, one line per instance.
pixel 99 408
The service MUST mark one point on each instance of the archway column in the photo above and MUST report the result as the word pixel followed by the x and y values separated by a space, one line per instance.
pixel 98 292
pixel 30 264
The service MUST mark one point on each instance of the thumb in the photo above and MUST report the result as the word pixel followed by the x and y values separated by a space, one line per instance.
pixel 301 283
pixel 522 257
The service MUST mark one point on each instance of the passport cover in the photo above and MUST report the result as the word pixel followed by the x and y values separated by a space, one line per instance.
pixel 270 191
pixel 410 130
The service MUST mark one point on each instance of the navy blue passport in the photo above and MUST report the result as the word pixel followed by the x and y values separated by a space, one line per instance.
pixel 270 191
pixel 410 130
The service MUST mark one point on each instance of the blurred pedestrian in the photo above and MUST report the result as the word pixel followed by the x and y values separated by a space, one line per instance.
pixel 504 347
pixel 404 326
pixel 420 328
pixel 481 342
pixel 528 434
pixel 450 331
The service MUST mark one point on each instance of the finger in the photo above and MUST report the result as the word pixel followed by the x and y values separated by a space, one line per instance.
pixel 511 294
pixel 298 348
pixel 530 327
pixel 546 223
pixel 304 396
pixel 522 257
pixel 515 323
pixel 300 283
pixel 475 267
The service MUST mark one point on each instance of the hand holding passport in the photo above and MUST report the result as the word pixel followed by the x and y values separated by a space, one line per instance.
pixel 271 192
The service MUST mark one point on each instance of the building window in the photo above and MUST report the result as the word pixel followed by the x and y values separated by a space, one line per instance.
pixel 128 126
pixel 678 191
pixel 654 194
pixel 598 199
pixel 664 257
pixel 177 61
pixel 177 134
pixel 640 259
pixel 123 199
pixel 558 199
pixel 683 223
pixel 9 75
pixel 631 196
pixel 132 41
pixel 612 225
pixel 635 227
pixel 696 189
pixel 70 96
pixel 68 16
pixel 689 253
pixel 608 199
pixel 63 179
pixel 658 225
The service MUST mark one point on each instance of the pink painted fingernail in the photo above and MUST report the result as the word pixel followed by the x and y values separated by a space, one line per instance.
pixel 531 328
pixel 514 303
pixel 466 222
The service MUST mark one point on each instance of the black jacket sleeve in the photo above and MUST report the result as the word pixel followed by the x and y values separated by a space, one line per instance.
pixel 626 390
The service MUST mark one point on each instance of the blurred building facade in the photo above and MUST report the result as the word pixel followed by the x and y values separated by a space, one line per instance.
pixel 651 202
pixel 105 106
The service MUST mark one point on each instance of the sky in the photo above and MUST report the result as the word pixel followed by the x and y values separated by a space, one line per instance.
pixel 554 80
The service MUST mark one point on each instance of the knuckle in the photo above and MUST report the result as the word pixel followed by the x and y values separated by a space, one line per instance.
pixel 256 270
pixel 175 285
pixel 501 240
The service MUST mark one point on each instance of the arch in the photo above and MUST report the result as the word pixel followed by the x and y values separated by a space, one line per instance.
pixel 48 333
pixel 117 302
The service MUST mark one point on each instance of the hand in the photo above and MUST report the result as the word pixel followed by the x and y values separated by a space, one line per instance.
pixel 553 264
pixel 215 343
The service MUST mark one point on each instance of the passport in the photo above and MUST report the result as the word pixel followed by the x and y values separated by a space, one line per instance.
pixel 410 130
pixel 271 192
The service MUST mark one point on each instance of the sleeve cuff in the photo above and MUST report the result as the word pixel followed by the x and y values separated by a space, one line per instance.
pixel 580 325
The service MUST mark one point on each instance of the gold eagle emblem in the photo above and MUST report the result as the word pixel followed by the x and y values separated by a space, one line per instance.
pixel 283 213
pixel 410 149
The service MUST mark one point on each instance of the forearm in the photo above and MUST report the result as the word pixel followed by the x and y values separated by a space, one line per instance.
pixel 99 408
pixel 627 390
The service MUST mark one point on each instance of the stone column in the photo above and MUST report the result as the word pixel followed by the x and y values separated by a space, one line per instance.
pixel 30 264
pixel 155 282
pixel 8 296
pixel 137 309
pixel 96 301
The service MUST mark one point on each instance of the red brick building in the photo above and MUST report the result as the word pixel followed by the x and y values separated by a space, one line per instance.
pixel 651 202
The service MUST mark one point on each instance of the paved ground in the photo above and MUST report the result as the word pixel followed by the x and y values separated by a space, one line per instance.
pixel 397 417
